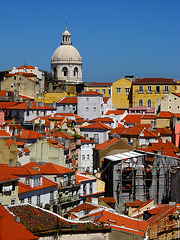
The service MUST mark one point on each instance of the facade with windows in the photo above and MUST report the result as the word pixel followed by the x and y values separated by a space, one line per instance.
pixel 121 93
pixel 148 91
pixel 90 105
pixel 103 88
pixel 86 159
pixel 66 62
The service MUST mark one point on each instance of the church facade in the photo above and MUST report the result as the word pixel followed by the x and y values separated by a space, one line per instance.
pixel 66 64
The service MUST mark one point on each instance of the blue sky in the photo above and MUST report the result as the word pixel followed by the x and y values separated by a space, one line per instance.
pixel 114 38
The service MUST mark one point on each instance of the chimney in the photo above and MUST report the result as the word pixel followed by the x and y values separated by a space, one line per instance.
pixel 29 104
pixel 41 104
pixel 54 104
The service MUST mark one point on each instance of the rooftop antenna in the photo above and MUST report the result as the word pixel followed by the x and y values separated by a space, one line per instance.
pixel 66 25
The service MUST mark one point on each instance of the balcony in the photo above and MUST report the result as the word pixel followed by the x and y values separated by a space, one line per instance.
pixel 68 199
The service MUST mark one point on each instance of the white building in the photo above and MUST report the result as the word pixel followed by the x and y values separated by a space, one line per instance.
pixel 86 159
pixel 66 62
pixel 90 105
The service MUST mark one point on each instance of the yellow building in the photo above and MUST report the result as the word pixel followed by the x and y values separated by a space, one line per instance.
pixel 121 93
pixel 53 97
pixel 146 91
pixel 103 88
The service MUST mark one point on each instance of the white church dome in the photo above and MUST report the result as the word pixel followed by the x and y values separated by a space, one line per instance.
pixel 66 52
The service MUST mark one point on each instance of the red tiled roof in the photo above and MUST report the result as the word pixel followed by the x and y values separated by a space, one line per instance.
pixel 98 84
pixel 101 119
pixel 143 205
pixel 165 114
pixel 106 144
pixel 89 93
pixel 153 81
pixel 29 134
pixel 97 125
pixel 82 207
pixel 20 73
pixel 108 200
pixel 149 116
pixel 49 168
pixel 115 112
pixel 105 99
pixel 163 131
pixel 5 105
pixel 167 148
pixel 136 203
pixel 80 178
pixel 68 100
pixel 118 130
pixel 3 93
pixel 46 183
pixel 3 133
pixel 120 222
pixel 25 106
pixel 60 134
pixel 12 230
pixel 18 171
pixel 132 118
pixel 149 134
pixel 26 67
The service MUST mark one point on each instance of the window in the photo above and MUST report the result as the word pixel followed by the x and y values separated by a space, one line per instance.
pixel 12 201
pixel 166 89
pixel 18 84
pixel 20 78
pixel 103 91
pixel 14 77
pixel 87 99
pixel 118 90
pixel 83 157
pixel 140 102
pixel 39 181
pixel 86 135
pixel 87 156
pixel 157 89
pixel 84 189
pixel 10 163
pixel 149 103
pixel 140 89
pixel 29 200
pixel 64 107
pixel 27 181
pixel 51 196
pixel 75 72
pixel 90 90
pixel 96 138
pixel 149 89
pixel 38 200
pixel 97 90
pixel 87 109
pixel 27 113
pixel 90 188
pixel 94 109
pixel 127 90
pixel 65 71
pixel 109 91
pixel 22 200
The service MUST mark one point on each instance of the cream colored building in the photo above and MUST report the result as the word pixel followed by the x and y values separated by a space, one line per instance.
pixel 169 103
pixel 25 84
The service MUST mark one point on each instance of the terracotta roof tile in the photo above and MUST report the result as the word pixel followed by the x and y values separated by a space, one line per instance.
pixel 118 130
pixel 26 67
pixel 99 84
pixel 115 112
pixel 29 134
pixel 165 114
pixel 89 93
pixel 46 183
pixel 68 100
pixel 10 229
pixel 97 125
pixel 107 143
pixel 132 118
pixel 49 168
pixel 25 106
pixel 154 81
pixel 101 119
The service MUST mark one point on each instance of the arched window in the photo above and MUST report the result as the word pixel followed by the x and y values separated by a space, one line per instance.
pixel 149 103
pixel 55 72
pixel 140 102
pixel 65 71
pixel 75 72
